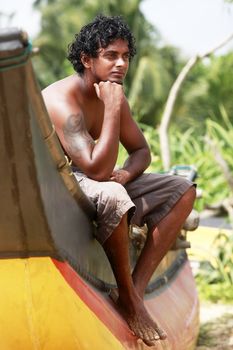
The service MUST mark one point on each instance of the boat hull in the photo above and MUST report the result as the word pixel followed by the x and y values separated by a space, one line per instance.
pixel 46 305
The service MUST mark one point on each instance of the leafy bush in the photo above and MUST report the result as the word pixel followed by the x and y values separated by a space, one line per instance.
pixel 215 277
pixel 191 149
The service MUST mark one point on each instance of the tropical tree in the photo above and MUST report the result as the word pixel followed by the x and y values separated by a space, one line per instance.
pixel 209 87
pixel 151 82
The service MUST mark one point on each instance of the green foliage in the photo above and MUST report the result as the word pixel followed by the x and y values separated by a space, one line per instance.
pixel 221 85
pixel 208 87
pixel 191 148
pixel 222 136
pixel 215 277
pixel 152 138
pixel 151 82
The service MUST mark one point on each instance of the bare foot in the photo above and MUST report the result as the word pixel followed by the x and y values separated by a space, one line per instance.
pixel 138 319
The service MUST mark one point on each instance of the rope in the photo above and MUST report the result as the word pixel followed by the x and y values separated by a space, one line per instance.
pixel 25 54
pixel 66 166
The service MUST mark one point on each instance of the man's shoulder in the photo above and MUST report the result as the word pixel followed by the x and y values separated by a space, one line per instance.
pixel 60 99
pixel 63 92
pixel 62 86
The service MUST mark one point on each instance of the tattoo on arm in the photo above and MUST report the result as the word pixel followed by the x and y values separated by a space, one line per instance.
pixel 76 135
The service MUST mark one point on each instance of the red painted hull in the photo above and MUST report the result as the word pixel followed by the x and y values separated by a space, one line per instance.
pixel 175 308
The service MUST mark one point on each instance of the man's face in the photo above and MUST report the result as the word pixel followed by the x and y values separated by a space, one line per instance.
pixel 112 62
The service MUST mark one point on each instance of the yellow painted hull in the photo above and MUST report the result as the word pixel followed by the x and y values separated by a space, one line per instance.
pixel 39 310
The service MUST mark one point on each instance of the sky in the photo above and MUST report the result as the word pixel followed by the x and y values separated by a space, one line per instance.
pixel 194 26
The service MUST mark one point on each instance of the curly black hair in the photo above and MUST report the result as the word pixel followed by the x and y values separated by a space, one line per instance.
pixel 100 32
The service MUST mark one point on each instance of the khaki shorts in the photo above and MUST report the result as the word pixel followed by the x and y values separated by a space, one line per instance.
pixel 147 199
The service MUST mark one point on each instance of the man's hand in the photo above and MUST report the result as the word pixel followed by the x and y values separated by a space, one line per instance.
pixel 121 176
pixel 112 94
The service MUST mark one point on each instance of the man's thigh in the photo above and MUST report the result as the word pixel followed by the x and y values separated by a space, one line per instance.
pixel 154 195
pixel 111 200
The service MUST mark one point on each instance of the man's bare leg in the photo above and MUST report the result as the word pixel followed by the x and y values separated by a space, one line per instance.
pixel 129 302
pixel 160 239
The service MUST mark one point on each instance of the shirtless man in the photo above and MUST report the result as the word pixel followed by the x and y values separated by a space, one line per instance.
pixel 91 116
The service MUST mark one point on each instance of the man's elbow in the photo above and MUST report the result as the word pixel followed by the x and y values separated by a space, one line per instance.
pixel 99 175
pixel 94 170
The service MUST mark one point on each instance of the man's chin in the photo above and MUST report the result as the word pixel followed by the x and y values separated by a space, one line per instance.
pixel 117 81
pixel 113 80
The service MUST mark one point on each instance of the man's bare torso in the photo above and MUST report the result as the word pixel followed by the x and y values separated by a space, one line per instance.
pixel 91 119
pixel 69 92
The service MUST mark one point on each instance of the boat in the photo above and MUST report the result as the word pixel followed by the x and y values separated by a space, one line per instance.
pixel 55 277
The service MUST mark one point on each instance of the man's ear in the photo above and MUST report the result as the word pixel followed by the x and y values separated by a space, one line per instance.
pixel 86 60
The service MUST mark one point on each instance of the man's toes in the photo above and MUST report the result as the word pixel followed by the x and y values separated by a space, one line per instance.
pixel 150 338
pixel 151 335
pixel 139 334
pixel 161 333
pixel 148 335
pixel 148 342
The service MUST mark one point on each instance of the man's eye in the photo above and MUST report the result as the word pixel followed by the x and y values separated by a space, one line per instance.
pixel 111 56
pixel 126 57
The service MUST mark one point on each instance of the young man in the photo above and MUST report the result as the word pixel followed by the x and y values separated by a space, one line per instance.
pixel 91 117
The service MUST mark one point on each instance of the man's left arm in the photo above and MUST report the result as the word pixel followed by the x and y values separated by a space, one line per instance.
pixel 133 140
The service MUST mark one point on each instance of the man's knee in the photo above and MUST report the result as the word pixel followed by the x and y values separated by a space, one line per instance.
pixel 192 192
pixel 113 192
pixel 189 196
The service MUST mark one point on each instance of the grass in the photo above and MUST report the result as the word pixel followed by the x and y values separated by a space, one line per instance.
pixel 211 249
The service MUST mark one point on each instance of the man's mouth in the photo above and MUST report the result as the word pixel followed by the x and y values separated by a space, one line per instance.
pixel 118 74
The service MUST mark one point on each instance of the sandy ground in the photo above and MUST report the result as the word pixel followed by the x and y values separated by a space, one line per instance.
pixel 216 332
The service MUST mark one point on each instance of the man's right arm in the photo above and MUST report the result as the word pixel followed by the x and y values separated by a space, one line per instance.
pixel 95 159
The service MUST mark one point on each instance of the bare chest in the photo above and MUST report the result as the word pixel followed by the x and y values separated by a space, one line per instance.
pixel 93 120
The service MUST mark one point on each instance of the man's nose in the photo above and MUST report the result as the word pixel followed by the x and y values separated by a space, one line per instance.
pixel 120 62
